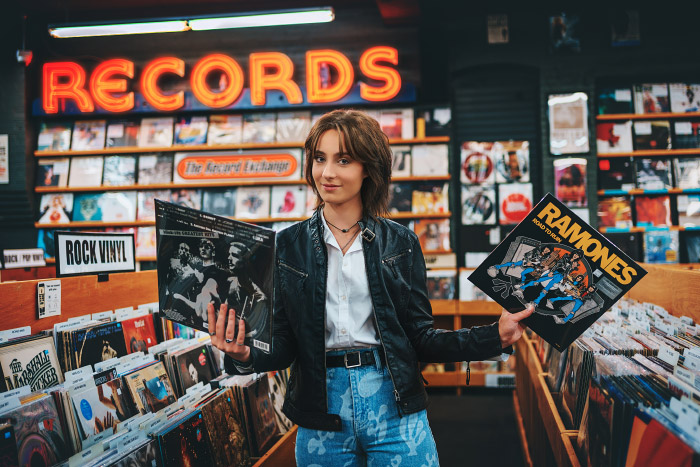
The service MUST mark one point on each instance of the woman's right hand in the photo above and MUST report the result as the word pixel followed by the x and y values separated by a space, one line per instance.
pixel 223 338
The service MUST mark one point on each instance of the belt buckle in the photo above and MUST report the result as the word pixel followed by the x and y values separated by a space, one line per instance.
pixel 352 365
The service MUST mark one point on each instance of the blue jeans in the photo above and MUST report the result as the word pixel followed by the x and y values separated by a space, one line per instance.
pixel 374 432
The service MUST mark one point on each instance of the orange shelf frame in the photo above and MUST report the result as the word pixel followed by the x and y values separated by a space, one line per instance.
pixel 651 153
pixel 654 116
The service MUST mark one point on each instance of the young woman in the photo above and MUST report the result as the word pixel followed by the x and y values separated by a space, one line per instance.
pixel 352 315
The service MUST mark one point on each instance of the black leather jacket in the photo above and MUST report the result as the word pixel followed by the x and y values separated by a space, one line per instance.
pixel 402 313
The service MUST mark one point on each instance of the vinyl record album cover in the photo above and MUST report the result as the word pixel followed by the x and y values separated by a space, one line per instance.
pixel 156 132
pixel 56 208
pixel 684 97
pixel 293 127
pixel 569 271
pixel 30 363
pixel 652 135
pixel 288 201
pixel 204 258
pixel 514 202
pixel 686 135
pixel 653 211
pixel 225 427
pixel 188 198
pixel 661 246
pixel 438 121
pixel 143 456
pixel 54 137
pixel 97 343
pixel 477 164
pixel 52 171
pixel 629 242
pixel 101 407
pixel 86 171
pixel 191 131
pixel 259 128
pixel 119 171
pixel 651 98
pixel 400 197
pixel 565 33
pixel 615 211
pixel 478 204
pixel 139 333
pixel 570 185
pixel 397 123
pixel 512 160
pixel 194 366
pixel 401 161
pixel 88 135
pixel 146 242
pixel 429 160
pixel 261 415
pixel 433 234
pixel 614 137
pixel 692 247
pixel 146 208
pixel 155 168
pixel 150 388
pixel 430 198
pixel 185 444
pixel 441 284
pixel 688 210
pixel 687 173
pixel 253 202
pixel 122 133
pixel 278 381
pixel 654 173
pixel 225 129
pixel 221 202
pixel 8 446
pixel 112 206
pixel 615 100
pixel 616 173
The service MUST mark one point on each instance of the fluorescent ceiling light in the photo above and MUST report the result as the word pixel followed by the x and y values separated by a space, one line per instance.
pixel 252 20
pixel 118 29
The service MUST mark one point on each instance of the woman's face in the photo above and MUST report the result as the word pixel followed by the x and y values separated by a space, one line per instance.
pixel 338 176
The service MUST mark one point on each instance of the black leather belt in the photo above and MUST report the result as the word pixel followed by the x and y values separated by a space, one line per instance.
pixel 353 359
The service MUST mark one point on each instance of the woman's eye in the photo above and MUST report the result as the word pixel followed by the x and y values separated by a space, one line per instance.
pixel 319 159
pixel 343 161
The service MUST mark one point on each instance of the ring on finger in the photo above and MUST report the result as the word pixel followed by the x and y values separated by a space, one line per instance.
pixel 228 341
pixel 212 334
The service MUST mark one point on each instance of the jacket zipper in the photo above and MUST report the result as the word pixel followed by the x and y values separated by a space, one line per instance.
pixel 391 262
pixel 293 269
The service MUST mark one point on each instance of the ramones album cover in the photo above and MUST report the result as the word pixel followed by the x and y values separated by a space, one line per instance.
pixel 563 266
pixel 204 258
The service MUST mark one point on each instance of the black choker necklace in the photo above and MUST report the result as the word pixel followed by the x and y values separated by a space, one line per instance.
pixel 338 228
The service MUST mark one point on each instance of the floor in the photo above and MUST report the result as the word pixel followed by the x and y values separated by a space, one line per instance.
pixel 475 429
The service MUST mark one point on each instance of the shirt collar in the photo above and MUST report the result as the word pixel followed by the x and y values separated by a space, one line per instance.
pixel 329 238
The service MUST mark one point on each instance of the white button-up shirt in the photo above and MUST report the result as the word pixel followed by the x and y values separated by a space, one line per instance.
pixel 349 318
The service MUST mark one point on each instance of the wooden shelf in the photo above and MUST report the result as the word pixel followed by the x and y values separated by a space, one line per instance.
pixel 281 454
pixel 444 307
pixel 223 147
pixel 459 378
pixel 420 178
pixel 651 153
pixel 479 308
pixel 167 186
pixel 655 116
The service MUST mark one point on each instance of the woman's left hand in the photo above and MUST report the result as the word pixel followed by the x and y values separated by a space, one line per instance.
pixel 509 327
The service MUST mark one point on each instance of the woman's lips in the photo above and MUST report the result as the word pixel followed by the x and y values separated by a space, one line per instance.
pixel 330 187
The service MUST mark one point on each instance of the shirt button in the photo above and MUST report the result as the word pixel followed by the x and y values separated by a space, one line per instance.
pixel 343 331
pixel 343 297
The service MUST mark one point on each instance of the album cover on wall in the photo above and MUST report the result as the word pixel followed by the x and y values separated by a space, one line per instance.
pixel 651 98
pixel 652 135
pixel 122 133
pixel 692 247
pixel 687 172
pixel 400 197
pixel 688 210
pixel 514 202
pixel 653 211
pixel 88 135
pixel 253 202
pixel 430 198
pixel 31 362
pixel 686 135
pixel 190 131
pixel 56 208
pixel 119 170
pixel 477 164
pixel 661 246
pixel 85 171
pixel 565 33
pixel 52 171
pixel 221 202
pixel 437 121
pixel 654 174
pixel 629 242
pixel 397 123
pixel 225 129
pixel 624 28
pixel 146 242
pixel 616 174
pixel 259 128
pixel 45 241
pixel 156 132
pixel 615 100
pixel 401 161
pixel 155 168
pixel 146 208
pixel 478 204
pixel 684 97
pixel 288 201
pixel 429 160
pixel 568 123
pixel 552 260
pixel 433 234
pixel 234 263
pixel 615 211
pixel 293 127
pixel 570 182
pixel 188 198
pixel 113 206
pixel 512 159
pixel 150 388
pixel 54 137
pixel 614 137
pixel 441 284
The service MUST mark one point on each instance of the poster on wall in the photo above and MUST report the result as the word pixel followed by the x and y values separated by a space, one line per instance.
pixel 4 159
pixel 497 29
pixel 568 123
pixel 625 28
pixel 564 33
pixel 570 181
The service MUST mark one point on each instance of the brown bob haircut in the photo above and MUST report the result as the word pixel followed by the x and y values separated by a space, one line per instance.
pixel 366 143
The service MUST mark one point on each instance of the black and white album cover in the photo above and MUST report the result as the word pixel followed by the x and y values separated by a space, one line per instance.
pixel 560 264
pixel 204 258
